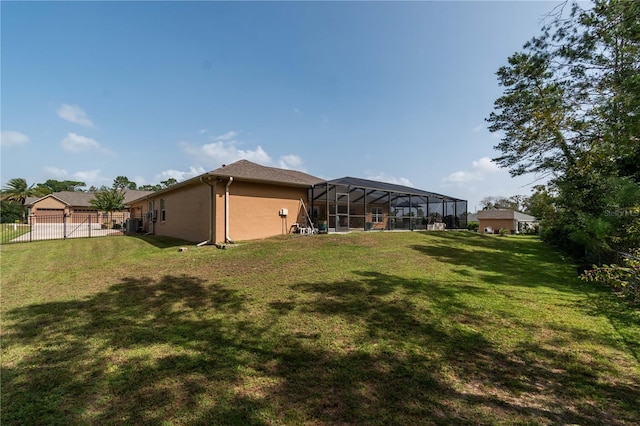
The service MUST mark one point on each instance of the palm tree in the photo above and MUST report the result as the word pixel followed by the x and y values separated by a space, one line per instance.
pixel 18 190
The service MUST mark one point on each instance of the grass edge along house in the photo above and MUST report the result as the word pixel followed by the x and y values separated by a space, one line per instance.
pixel 247 201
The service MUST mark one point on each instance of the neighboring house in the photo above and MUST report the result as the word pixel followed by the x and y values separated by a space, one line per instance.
pixel 74 207
pixel 246 201
pixel 492 220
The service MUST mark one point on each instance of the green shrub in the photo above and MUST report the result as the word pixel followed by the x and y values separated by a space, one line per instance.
pixel 472 226
pixel 10 212
pixel 624 277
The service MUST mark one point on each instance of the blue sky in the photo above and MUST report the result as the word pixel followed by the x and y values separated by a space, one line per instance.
pixel 389 91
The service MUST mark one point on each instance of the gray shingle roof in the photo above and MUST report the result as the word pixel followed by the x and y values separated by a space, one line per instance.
pixel 246 170
pixel 249 171
pixel 523 217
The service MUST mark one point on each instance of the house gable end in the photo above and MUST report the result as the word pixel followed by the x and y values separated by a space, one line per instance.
pixel 49 202
pixel 45 200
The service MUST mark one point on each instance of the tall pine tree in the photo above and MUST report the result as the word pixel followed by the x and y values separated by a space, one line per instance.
pixel 571 110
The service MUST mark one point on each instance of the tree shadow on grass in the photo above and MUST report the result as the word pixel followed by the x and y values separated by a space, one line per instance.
pixel 448 372
pixel 114 356
pixel 184 351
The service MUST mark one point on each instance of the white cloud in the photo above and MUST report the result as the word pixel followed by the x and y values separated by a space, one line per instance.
pixel 224 149
pixel 203 131
pixel 180 175
pixel 56 172
pixel 139 180
pixel 225 137
pixel 383 177
pixel 92 177
pixel 290 161
pixel 10 138
pixel 218 153
pixel 74 114
pixel 459 176
pixel 77 143
pixel 479 170
pixel 478 128
pixel 485 165
pixel 229 153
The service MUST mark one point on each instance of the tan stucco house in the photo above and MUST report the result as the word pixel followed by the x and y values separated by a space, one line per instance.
pixel 246 201
pixel 240 201
pixel 493 220
pixel 74 207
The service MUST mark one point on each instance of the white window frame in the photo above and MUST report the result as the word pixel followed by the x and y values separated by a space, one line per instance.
pixel 377 215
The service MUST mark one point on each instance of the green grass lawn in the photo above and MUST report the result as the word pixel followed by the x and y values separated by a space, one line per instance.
pixel 366 328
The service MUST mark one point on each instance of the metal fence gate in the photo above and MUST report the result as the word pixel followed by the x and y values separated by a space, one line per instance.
pixel 60 226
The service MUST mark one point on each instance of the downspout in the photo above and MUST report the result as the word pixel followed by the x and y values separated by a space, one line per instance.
pixel 211 195
pixel 226 211
pixel 149 213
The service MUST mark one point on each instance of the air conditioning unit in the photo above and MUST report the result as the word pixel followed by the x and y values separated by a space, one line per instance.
pixel 132 225
pixel 154 215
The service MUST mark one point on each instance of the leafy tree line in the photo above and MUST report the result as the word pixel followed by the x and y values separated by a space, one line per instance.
pixel 539 204
pixel 570 111
pixel 14 194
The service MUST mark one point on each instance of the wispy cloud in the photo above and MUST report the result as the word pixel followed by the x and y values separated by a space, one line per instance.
pixel 383 177
pixel 56 172
pixel 290 161
pixel 89 177
pixel 11 138
pixel 479 170
pixel 230 135
pixel 77 143
pixel 203 131
pixel 180 175
pixel 92 177
pixel 74 114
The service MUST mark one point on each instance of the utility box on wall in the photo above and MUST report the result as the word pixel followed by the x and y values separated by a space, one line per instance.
pixel 283 212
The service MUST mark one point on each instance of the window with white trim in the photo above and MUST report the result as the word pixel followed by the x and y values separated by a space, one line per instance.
pixel 163 211
pixel 376 215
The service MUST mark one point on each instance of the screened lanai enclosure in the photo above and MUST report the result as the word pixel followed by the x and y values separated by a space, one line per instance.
pixel 350 204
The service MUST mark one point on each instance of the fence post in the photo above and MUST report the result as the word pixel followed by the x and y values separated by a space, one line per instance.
pixel 64 226
pixel 30 223
pixel 89 224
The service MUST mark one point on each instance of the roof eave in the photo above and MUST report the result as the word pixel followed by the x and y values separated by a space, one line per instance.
pixel 265 181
